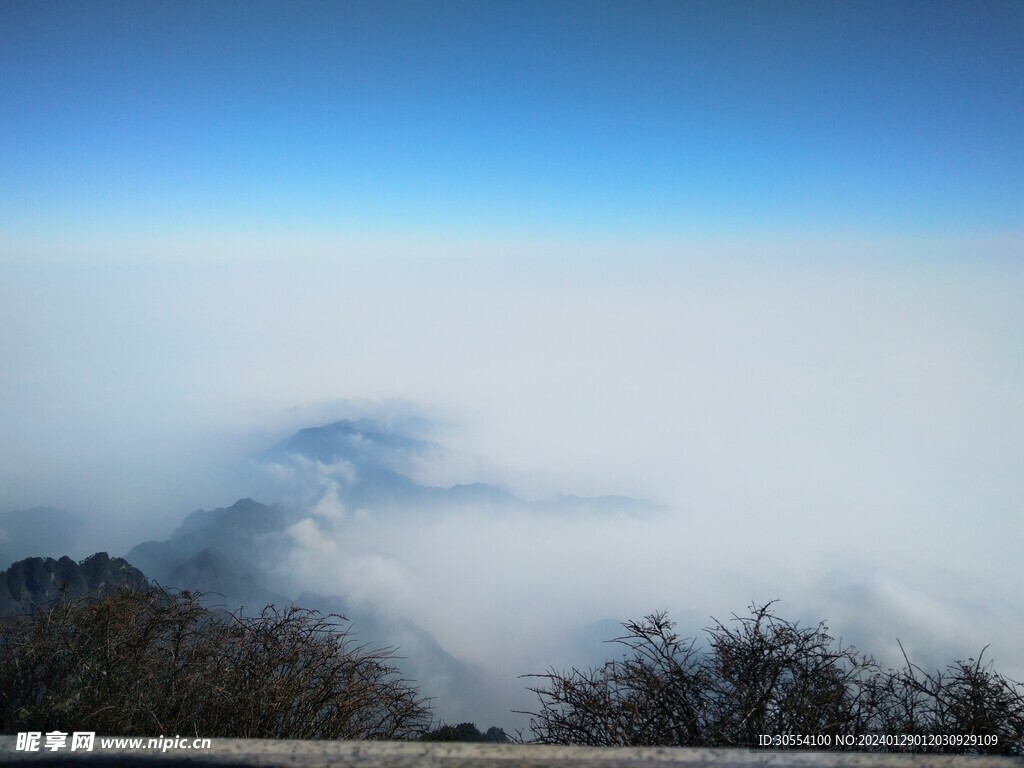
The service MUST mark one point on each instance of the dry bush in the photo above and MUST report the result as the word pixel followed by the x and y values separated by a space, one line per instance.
pixel 160 662
pixel 968 698
pixel 764 675
pixel 654 695
pixel 769 676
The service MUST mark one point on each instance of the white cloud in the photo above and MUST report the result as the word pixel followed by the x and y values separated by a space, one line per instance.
pixel 794 414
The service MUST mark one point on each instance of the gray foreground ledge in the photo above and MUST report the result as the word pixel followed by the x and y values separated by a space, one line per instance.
pixel 399 754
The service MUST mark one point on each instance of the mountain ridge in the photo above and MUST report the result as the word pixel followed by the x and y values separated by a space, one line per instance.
pixel 37 582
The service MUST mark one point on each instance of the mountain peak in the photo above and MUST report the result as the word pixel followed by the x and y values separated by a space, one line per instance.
pixel 39 581
pixel 245 516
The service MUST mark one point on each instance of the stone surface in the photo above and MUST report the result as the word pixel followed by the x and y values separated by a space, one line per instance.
pixel 364 754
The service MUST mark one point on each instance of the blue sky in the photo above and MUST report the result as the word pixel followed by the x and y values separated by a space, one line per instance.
pixel 762 263
pixel 509 120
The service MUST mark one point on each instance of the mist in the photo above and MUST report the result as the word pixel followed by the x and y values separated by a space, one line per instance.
pixel 514 588
pixel 845 435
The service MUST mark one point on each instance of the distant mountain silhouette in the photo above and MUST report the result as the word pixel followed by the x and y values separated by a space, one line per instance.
pixel 364 443
pixel 225 550
pixel 369 466
pixel 38 581
pixel 228 582
pixel 231 553
pixel 368 463
pixel 237 554
pixel 245 518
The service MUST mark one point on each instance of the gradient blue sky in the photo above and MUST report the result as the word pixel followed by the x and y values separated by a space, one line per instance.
pixel 144 122
pixel 760 262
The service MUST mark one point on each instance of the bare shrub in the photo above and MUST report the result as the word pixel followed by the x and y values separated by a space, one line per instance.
pixel 160 662
pixel 769 675
pixel 968 698
pixel 654 694
pixel 760 674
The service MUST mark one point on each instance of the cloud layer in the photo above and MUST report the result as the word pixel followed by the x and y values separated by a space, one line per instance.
pixel 844 434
